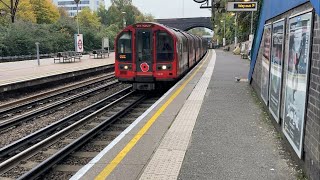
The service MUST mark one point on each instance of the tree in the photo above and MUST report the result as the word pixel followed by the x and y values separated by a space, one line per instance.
pixel 114 16
pixel 199 31
pixel 63 12
pixel 243 21
pixel 45 11
pixel 120 4
pixel 111 32
pixel 103 15
pixel 148 18
pixel 25 11
pixel 89 19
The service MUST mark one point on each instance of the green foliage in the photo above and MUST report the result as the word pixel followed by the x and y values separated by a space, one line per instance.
pixel 111 32
pixel 199 31
pixel 41 21
pixel 89 19
pixel 19 38
pixel 45 11
pixel 124 10
pixel 243 24
pixel 120 4
pixel 103 14
pixel 25 11
pixel 114 16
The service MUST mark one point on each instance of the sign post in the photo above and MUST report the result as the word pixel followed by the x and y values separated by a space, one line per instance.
pixel 106 44
pixel 77 2
pixel 78 42
pixel 242 6
pixel 38 54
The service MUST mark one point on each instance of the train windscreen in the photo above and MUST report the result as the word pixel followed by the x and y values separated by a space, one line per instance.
pixel 164 47
pixel 124 47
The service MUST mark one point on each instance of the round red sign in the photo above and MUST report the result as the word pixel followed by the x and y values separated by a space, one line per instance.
pixel 144 67
pixel 80 44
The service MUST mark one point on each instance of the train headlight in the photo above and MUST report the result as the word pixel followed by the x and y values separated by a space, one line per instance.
pixel 161 67
pixel 125 66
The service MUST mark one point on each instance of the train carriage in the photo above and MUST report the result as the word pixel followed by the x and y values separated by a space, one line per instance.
pixel 150 54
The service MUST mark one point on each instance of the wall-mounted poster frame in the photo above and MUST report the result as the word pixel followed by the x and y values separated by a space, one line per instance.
pixel 265 66
pixel 276 67
pixel 297 78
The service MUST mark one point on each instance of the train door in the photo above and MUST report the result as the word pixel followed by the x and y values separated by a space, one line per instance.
pixel 144 57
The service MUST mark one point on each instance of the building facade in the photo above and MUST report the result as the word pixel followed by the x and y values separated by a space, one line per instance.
pixel 285 73
pixel 71 6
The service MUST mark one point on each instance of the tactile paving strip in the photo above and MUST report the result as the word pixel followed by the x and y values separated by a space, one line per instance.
pixel 168 158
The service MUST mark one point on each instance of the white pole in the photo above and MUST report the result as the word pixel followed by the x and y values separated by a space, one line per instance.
pixel 236 26
pixel 183 8
pixel 78 18
pixel 251 22
pixel 224 31
pixel 38 54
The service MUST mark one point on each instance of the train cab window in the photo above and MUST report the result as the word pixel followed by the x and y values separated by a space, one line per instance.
pixel 144 45
pixel 164 47
pixel 124 47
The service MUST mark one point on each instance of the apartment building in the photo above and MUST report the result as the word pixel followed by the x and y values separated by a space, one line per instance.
pixel 71 6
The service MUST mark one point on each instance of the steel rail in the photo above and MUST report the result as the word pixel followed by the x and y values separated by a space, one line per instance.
pixel 57 157
pixel 11 162
pixel 11 148
pixel 30 115
pixel 29 101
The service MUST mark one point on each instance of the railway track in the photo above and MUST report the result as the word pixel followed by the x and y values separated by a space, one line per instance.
pixel 57 101
pixel 70 134
pixel 31 102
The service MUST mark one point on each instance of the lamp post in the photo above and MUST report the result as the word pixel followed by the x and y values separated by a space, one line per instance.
pixel 235 28
pixel 224 31
pixel 38 54
pixel 124 19
pixel 77 2
pixel 251 28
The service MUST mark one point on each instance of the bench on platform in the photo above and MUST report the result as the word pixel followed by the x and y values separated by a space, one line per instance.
pixel 227 48
pixel 69 56
pixel 99 53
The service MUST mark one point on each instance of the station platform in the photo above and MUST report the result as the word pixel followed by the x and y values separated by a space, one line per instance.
pixel 208 126
pixel 20 74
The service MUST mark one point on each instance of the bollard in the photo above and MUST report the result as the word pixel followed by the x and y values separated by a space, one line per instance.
pixel 38 56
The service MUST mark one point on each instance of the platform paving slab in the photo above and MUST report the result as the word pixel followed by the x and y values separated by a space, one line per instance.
pixel 230 139
pixel 141 153
pixel 19 71
pixel 168 158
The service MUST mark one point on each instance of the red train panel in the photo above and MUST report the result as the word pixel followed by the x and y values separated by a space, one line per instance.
pixel 149 53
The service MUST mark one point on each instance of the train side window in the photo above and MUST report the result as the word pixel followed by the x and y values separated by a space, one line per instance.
pixel 164 47
pixel 124 47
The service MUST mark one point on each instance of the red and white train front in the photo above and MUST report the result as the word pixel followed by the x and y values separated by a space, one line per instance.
pixel 148 53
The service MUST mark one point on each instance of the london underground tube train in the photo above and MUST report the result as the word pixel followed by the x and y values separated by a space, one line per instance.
pixel 150 55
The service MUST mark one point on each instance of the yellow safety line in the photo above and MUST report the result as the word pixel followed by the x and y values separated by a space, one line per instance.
pixel 114 163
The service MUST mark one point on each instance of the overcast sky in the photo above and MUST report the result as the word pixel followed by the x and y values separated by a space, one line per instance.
pixel 170 8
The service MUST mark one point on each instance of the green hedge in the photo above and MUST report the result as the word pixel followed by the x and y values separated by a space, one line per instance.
pixel 20 38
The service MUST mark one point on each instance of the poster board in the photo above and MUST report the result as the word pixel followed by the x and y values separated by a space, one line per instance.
pixel 105 43
pixel 276 68
pixel 298 67
pixel 265 66
pixel 78 43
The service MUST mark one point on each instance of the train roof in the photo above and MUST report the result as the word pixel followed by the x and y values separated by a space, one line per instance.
pixel 170 29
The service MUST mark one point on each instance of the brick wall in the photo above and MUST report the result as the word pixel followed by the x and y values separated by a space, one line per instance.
pixel 312 131
pixel 311 154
